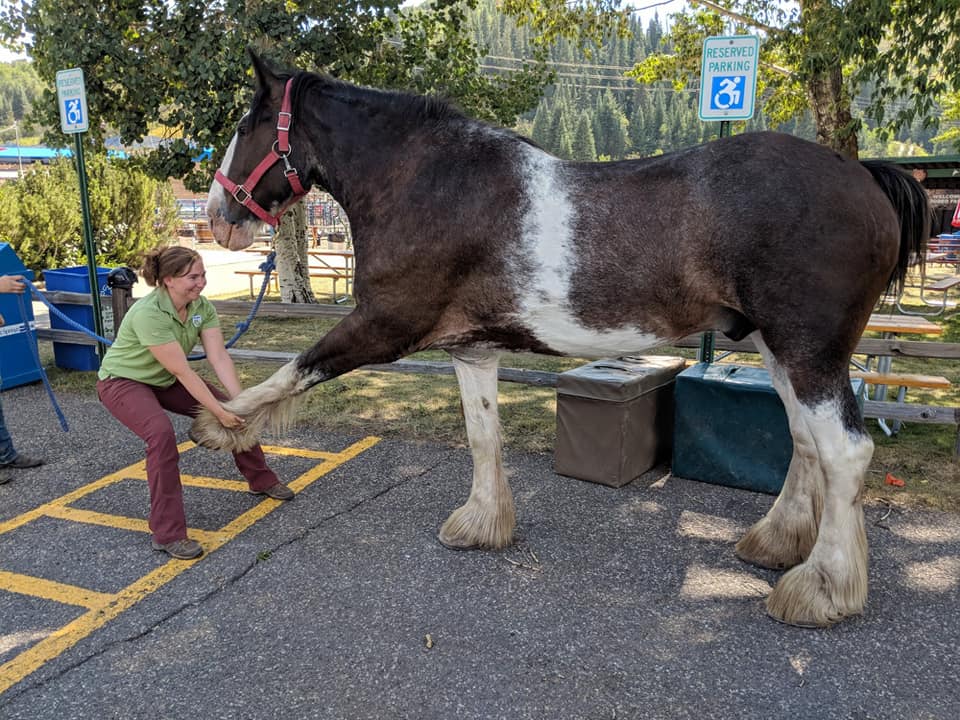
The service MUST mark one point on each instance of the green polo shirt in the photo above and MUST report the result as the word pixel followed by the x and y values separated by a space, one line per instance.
pixel 152 320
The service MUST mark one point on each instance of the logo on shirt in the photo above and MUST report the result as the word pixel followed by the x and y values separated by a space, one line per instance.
pixel 196 320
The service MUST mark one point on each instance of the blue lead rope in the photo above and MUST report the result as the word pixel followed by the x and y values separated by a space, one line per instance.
pixel 36 357
pixel 267 266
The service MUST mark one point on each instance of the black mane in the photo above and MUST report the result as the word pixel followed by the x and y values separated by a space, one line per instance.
pixel 415 109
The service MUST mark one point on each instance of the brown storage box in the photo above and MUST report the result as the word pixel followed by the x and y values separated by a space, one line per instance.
pixel 615 418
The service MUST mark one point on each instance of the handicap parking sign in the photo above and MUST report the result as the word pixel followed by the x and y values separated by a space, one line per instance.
pixel 73 111
pixel 72 97
pixel 728 78
pixel 726 92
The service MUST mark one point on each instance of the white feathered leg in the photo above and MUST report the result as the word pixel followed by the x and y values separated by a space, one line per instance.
pixel 487 519
pixel 832 583
pixel 272 403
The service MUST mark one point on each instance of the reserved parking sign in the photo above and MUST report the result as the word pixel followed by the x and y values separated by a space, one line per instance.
pixel 72 98
pixel 728 77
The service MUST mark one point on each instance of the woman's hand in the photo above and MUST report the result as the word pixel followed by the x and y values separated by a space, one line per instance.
pixel 229 420
pixel 12 284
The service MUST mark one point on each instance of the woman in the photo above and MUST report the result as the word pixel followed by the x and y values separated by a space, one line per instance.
pixel 146 371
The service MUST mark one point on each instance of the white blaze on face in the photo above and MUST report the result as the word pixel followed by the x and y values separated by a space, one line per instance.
pixel 548 240
pixel 217 197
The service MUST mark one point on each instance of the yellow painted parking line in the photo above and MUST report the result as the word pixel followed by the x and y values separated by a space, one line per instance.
pixel 103 608
pixel 298 452
pixel 91 517
pixel 136 471
pixel 213 483
pixel 50 590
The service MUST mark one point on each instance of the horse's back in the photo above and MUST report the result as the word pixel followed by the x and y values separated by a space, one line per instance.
pixel 735 234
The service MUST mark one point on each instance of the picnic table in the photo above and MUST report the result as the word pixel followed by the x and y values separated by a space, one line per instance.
pixel 331 264
pixel 889 326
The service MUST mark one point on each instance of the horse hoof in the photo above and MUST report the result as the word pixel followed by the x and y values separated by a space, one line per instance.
pixel 471 528
pixel 764 547
pixel 454 545
pixel 804 598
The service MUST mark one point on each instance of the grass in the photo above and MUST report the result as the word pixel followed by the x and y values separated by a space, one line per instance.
pixel 426 407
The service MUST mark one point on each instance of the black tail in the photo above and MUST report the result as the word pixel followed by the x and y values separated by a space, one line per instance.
pixel 910 201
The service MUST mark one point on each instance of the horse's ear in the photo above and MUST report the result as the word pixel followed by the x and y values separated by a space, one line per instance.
pixel 264 75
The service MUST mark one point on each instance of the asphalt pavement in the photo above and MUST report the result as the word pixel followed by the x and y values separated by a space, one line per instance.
pixel 612 603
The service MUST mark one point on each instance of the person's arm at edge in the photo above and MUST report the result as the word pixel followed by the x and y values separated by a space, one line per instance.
pixel 12 283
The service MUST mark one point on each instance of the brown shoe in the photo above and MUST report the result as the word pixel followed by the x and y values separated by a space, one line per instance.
pixel 277 492
pixel 185 549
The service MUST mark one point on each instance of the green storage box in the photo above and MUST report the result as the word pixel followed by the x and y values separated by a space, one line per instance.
pixel 615 418
pixel 730 427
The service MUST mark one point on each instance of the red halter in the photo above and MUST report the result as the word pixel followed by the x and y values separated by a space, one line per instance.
pixel 279 151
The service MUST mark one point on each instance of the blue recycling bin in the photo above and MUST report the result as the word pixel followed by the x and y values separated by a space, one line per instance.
pixel 18 335
pixel 71 356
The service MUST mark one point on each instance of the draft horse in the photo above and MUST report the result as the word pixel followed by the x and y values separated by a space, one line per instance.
pixel 471 238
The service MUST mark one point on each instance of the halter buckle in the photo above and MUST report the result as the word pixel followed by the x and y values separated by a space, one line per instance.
pixel 236 195
pixel 283 121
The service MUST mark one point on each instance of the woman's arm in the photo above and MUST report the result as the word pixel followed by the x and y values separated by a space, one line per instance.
pixel 220 360
pixel 172 357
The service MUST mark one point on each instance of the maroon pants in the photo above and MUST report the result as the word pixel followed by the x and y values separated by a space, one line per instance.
pixel 141 408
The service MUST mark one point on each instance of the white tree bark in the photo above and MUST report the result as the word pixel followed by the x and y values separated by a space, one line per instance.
pixel 293 263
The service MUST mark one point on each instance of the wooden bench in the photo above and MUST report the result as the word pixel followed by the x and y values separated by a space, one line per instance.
pixel 939 285
pixel 274 280
pixel 315 272
pixel 902 380
pixel 942 286
pixel 204 234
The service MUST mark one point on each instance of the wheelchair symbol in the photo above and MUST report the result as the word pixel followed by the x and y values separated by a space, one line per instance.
pixel 74 112
pixel 726 93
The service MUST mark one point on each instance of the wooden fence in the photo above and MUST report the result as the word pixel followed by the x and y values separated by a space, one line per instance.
pixel 895 347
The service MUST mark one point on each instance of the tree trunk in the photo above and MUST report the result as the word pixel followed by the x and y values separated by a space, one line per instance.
pixel 293 263
pixel 831 110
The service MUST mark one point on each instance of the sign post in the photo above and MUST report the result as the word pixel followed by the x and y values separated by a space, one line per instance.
pixel 72 99
pixel 728 88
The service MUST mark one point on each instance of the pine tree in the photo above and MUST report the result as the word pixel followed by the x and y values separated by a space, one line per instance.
pixel 584 148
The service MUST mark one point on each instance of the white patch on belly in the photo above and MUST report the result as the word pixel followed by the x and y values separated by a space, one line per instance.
pixel 217 197
pixel 548 241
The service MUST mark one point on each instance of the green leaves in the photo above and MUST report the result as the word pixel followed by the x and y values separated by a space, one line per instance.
pixel 180 66
pixel 130 213
pixel 905 54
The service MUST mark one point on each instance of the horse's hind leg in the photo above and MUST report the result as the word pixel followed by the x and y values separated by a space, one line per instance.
pixel 487 519
pixel 786 534
pixel 831 583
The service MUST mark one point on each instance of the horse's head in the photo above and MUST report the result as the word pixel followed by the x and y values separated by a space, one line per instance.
pixel 258 179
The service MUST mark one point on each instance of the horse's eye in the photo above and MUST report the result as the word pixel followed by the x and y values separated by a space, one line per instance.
pixel 242 128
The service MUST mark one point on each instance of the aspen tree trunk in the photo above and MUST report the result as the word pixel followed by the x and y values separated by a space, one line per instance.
pixel 831 111
pixel 293 263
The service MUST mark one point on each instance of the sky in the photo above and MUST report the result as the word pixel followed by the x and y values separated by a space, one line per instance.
pixel 7 56
pixel 663 8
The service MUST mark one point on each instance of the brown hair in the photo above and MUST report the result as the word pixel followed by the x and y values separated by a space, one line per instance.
pixel 166 262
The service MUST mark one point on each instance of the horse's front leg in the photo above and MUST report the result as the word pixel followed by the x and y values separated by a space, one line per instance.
pixel 354 342
pixel 487 519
